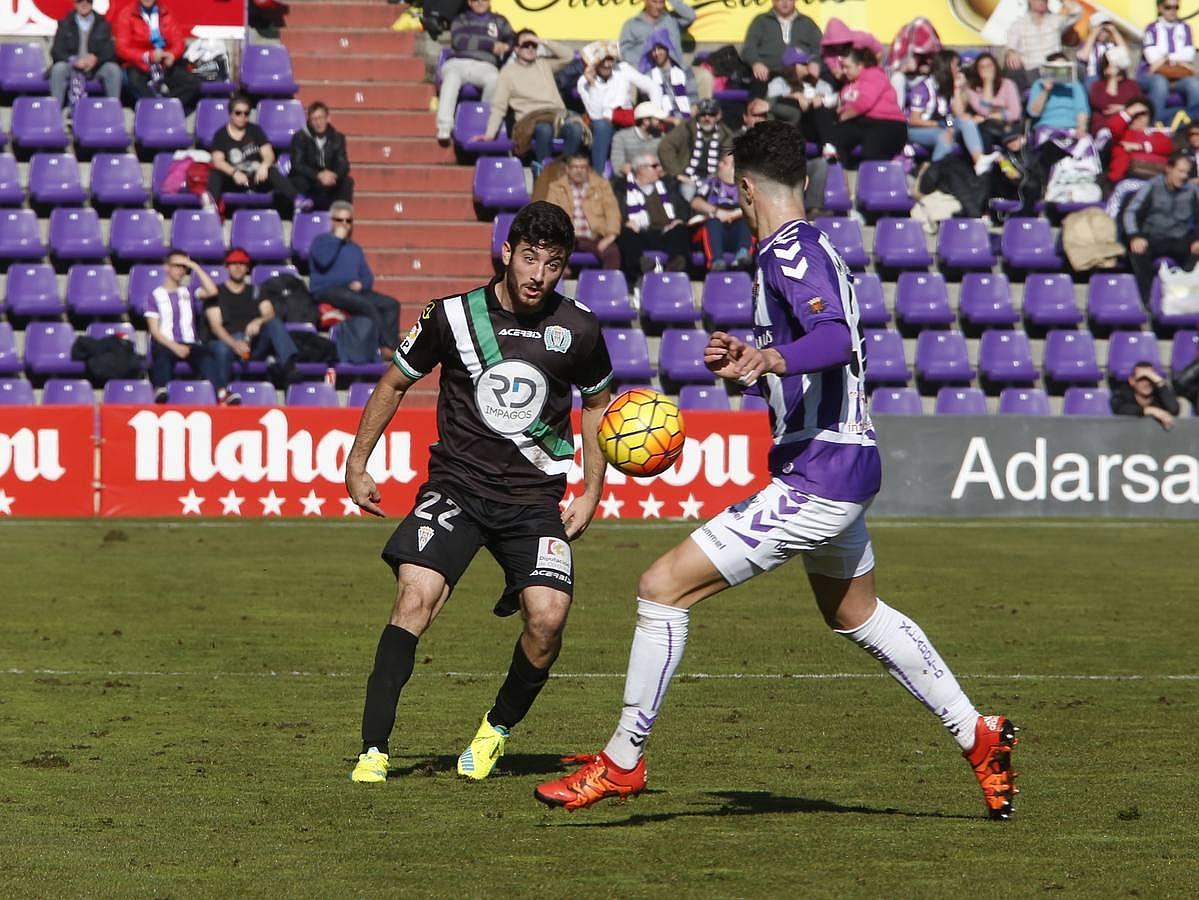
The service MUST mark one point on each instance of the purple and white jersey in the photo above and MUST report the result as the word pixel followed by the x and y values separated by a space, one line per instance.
pixel 1094 61
pixel 824 441
pixel 1168 41
pixel 924 99
pixel 175 314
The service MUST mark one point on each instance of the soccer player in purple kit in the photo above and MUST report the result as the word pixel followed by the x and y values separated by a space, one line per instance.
pixel 809 364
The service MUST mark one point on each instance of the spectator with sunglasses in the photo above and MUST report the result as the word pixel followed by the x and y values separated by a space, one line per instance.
pixel 244 160
pixel 1168 51
pixel 690 152
pixel 479 41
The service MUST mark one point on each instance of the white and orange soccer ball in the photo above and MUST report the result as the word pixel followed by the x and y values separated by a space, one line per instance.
pixel 642 432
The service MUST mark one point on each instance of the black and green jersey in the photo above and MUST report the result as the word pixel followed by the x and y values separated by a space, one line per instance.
pixel 503 415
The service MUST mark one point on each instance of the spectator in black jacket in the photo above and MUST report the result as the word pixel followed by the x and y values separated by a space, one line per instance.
pixel 83 43
pixel 1146 394
pixel 320 166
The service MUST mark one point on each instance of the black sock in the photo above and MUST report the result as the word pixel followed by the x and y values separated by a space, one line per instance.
pixel 519 690
pixel 394 660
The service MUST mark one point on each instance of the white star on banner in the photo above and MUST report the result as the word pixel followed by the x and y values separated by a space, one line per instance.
pixel 231 504
pixel 6 503
pixel 611 506
pixel 312 504
pixel 271 504
pixel 691 507
pixel 191 503
pixel 349 507
pixel 651 508
pixel 566 501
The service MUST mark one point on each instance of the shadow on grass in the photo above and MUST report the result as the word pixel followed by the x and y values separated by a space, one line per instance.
pixel 512 764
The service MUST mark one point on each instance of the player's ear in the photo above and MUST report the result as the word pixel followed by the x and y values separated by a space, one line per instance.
pixel 746 187
pixel 506 253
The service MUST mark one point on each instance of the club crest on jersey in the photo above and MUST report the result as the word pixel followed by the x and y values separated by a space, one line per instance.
pixel 557 338
pixel 816 305
pixel 424 534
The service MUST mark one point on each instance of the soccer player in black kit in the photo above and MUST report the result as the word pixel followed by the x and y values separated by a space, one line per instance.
pixel 509 353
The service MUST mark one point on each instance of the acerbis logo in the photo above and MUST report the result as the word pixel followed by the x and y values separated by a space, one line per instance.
pixel 510 396
pixel 519 332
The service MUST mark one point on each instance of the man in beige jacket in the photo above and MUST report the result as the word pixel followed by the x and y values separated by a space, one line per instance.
pixel 591 205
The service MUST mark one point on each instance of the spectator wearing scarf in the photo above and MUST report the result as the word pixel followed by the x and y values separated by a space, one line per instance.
pixel 663 63
pixel 649 206
pixel 150 46
pixel 691 151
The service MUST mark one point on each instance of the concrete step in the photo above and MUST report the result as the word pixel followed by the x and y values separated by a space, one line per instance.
pixel 376 95
pixel 399 151
pixel 307 67
pixel 442 180
pixel 358 41
pixel 472 236
pixel 342 15
pixel 414 291
pixel 408 207
pixel 439 263
pixel 393 123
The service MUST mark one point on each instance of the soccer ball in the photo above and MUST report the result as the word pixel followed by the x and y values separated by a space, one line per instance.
pixel 642 432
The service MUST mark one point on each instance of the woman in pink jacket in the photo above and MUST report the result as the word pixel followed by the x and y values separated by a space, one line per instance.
pixel 870 116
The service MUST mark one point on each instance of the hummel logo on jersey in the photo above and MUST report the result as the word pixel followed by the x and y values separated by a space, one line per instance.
pixel 424 534
pixel 519 332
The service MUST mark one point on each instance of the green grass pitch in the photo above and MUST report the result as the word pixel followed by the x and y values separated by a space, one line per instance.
pixel 180 703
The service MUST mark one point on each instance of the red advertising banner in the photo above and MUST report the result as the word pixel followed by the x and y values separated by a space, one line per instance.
pixel 256 462
pixel 207 18
pixel 46 461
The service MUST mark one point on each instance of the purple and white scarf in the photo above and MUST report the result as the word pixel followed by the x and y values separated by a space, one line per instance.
pixel 705 153
pixel 635 200
pixel 674 95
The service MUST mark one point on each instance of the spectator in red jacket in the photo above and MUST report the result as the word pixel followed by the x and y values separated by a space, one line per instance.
pixel 150 47
pixel 1135 144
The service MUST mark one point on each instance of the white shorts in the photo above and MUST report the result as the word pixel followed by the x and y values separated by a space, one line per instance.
pixel 764 531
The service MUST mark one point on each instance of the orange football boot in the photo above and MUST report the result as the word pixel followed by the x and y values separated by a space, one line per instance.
pixel 598 778
pixel 991 759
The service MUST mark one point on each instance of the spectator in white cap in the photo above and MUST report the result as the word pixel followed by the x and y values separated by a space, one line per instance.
pixel 1102 36
pixel 643 137
pixel 606 88
pixel 691 151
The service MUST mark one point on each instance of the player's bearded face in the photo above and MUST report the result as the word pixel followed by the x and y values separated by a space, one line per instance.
pixel 533 272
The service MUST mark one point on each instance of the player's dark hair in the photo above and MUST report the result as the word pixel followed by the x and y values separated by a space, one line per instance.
pixel 542 224
pixel 774 150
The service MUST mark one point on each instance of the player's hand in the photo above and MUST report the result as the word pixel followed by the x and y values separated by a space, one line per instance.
pixel 730 357
pixel 364 492
pixel 577 516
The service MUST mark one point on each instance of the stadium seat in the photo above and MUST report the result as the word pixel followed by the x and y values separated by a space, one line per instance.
pixel 143 278
pixel 681 357
pixel 1027 246
pixel 10 359
pixel 1015 401
pixel 359 393
pixel 98 123
pixel 20 237
pixel 1113 301
pixel 922 301
pixel 701 396
pixel 169 199
pixel 280 119
pixel 941 359
pixel 128 390
pixel 499 233
pixel 31 291
pixel 964 245
pixel 260 233
pixel 54 180
pixel 12 193
pixel 900 244
pixel 23 69
pixel 606 293
pixel 1070 359
pixel 212 113
pixel 1005 359
pixel 894 401
pixel 755 403
pixel 104 329
pixel 666 299
pixel 1168 323
pixel 1127 348
pixel 15 392
pixel 76 236
pixel 1183 350
pixel 727 299
pixel 885 362
pixel 116 180
pixel 37 125
pixel 266 71
pixel 136 236
pixel 304 229
pixel 985 302
pixel 845 235
pixel 261 273
pixel 312 393
pixel 255 393
pixel 48 350
pixel 190 393
pixel 1049 303
pixel 160 124
pixel 217 273
pixel 1087 401
pixel 836 191
pixel 470 119
pixel 961 401
pixel 629 351
pixel 883 188
pixel 499 184
pixel 67 392
pixel 872 308
pixel 92 291
pixel 197 232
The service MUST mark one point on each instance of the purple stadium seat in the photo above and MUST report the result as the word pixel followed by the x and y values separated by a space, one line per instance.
pixel 1168 322
pixel 900 244
pixel 701 396
pixel 75 235
pixel 266 71
pixel 255 393
pixel 105 329
pixel 54 180
pixel 922 301
pixel 883 188
pixel 727 299
pixel 260 233
pixel 872 309
pixel 280 119
pixel 211 115
pixel 1005 358
pixel 173 199
pixel 1017 401
pixel 470 119
pixel 312 393
pixel 216 272
pixel 884 357
pixel 1087 401
pixel 755 403
pixel 48 349
pixel 12 193
pixel 197 232
pixel 67 392
pixel 1070 359
pixel 1027 246
pixel 985 301
pixel 894 401
pixel 304 229
pixel 941 358
pixel 1113 301
pixel 15 392
pixel 23 69
pixel 499 232
pixel 190 393
pixel 116 180
pixel 629 351
pixel 836 191
pixel 499 183
pixel 666 298
pixel 143 278
pixel 99 124
pixel 964 245
pixel 31 291
pixel 580 261
pixel 128 390
pixel 10 359
pixel 606 293
pixel 136 235
pixel 1183 350
pixel 1049 302
pixel 160 124
pixel 359 393
pixel 92 291
pixel 681 356
pixel 1127 348
pixel 37 124
pixel 261 273
pixel 961 401
pixel 20 237
pixel 846 236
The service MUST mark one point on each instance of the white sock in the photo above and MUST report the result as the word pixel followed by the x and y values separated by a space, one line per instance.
pixel 657 648
pixel 905 652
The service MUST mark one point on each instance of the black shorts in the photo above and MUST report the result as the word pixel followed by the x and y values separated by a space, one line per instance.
pixel 446 528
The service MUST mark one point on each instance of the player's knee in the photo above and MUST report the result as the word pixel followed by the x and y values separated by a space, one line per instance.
pixel 413 610
pixel 658 584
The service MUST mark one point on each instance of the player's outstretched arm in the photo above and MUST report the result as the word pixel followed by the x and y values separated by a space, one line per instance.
pixel 380 408
pixel 730 357
pixel 579 513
